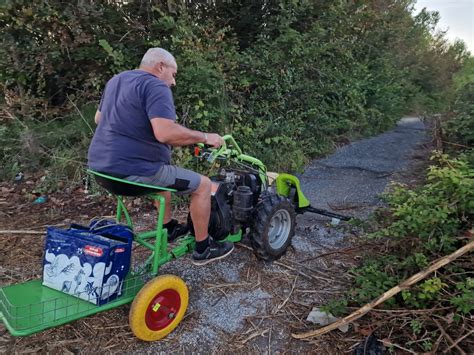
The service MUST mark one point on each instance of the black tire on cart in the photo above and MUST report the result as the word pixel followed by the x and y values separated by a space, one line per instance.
pixel 273 227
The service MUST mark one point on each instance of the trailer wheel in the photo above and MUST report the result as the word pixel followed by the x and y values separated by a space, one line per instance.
pixel 273 227
pixel 159 307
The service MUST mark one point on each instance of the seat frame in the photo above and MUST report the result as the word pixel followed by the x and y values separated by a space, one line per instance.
pixel 160 254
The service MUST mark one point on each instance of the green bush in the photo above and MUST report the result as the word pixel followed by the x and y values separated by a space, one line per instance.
pixel 59 146
pixel 289 79
pixel 460 128
pixel 426 223
pixel 437 211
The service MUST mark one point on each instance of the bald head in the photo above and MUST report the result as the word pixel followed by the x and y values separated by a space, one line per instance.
pixel 154 56
pixel 161 64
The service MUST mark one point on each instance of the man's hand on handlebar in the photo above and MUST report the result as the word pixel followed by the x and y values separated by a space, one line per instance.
pixel 214 140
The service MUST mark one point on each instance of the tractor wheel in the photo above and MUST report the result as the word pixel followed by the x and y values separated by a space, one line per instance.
pixel 273 227
pixel 158 307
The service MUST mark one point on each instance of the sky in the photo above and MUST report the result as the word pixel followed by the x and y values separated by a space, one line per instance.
pixel 457 16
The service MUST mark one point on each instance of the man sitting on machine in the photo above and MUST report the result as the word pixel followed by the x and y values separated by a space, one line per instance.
pixel 136 128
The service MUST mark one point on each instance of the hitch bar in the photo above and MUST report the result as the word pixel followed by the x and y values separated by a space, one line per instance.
pixel 323 212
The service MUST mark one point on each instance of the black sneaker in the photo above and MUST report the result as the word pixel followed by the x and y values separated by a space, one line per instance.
pixel 175 229
pixel 214 251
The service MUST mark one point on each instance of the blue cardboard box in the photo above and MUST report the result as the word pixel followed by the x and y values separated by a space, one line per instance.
pixel 88 263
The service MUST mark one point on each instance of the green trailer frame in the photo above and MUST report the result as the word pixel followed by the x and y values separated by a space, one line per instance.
pixel 29 307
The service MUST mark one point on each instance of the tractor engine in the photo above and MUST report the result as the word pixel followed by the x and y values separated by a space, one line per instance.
pixel 234 195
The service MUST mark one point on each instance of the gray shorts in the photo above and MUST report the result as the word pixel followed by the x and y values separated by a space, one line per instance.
pixel 183 180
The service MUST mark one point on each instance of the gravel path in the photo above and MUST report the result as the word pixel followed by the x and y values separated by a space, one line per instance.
pixel 355 175
pixel 223 295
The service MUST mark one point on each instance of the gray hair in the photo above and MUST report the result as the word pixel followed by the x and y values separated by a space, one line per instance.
pixel 156 55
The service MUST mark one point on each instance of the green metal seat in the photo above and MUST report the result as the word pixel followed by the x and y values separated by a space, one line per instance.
pixel 121 187
pixel 118 186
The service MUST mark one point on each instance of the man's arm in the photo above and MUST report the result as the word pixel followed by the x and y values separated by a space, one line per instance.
pixel 97 117
pixel 169 132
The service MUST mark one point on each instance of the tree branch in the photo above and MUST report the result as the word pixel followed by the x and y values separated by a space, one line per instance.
pixel 393 291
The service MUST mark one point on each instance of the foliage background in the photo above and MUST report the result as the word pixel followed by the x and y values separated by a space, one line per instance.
pixel 290 79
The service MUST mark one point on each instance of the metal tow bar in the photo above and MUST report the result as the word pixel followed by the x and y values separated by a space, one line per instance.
pixel 324 213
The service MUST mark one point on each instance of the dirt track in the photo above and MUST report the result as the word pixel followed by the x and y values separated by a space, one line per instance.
pixel 243 305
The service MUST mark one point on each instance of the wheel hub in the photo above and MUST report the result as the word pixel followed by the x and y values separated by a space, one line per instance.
pixel 162 309
pixel 279 229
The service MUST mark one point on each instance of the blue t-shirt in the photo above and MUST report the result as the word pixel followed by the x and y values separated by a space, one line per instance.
pixel 124 143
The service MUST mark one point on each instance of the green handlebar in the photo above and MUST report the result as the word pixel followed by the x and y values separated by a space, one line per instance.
pixel 232 141
pixel 227 149
pixel 230 149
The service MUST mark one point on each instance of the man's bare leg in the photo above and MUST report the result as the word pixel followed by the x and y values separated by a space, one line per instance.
pixel 167 196
pixel 200 208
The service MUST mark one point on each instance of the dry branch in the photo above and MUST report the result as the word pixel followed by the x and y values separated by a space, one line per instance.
pixel 393 291
pixel 7 231
pixel 291 292
pixel 459 340
pixel 447 337
pixel 255 334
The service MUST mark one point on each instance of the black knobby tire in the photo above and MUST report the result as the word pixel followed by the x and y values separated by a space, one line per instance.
pixel 273 227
